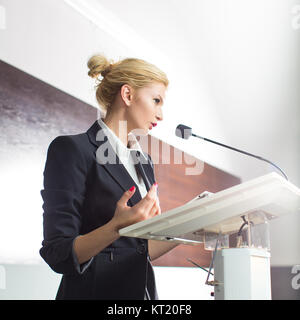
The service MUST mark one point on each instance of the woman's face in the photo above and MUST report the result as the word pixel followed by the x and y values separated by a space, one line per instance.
pixel 145 109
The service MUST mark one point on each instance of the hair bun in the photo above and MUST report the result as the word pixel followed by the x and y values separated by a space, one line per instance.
pixel 98 65
pixel 106 70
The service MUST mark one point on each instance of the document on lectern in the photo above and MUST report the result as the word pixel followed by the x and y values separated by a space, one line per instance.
pixel 221 212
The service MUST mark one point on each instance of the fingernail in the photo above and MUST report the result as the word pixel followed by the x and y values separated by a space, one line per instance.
pixel 132 188
pixel 155 184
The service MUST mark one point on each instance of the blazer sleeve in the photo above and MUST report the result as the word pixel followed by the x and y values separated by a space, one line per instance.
pixel 63 195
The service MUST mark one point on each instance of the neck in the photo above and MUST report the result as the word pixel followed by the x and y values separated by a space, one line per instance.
pixel 117 122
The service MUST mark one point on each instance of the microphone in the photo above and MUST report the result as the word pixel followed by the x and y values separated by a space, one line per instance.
pixel 185 132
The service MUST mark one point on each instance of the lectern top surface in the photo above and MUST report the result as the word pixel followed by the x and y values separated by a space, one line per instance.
pixel 221 211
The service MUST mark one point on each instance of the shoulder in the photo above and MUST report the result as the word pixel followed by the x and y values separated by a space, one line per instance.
pixel 69 141
pixel 78 143
pixel 72 150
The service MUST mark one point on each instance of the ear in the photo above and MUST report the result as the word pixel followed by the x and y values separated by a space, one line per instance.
pixel 126 93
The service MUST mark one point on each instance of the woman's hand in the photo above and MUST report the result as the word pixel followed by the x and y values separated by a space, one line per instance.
pixel 147 208
pixel 90 244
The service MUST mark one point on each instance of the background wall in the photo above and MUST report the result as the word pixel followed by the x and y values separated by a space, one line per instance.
pixel 32 114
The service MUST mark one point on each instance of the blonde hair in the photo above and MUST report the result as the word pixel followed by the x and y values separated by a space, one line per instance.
pixel 134 72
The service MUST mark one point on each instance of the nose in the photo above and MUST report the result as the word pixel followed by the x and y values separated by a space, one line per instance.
pixel 159 115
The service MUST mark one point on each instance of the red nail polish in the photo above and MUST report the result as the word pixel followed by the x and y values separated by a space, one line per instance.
pixel 155 184
pixel 132 188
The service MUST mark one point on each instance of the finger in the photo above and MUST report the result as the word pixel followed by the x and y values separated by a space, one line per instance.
pixel 152 211
pixel 158 205
pixel 150 198
pixel 127 195
pixel 147 202
pixel 153 190
pixel 155 210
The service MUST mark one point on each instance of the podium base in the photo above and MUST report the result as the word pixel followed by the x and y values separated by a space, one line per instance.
pixel 242 274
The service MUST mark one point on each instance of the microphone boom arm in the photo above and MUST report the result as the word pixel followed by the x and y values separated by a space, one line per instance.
pixel 247 153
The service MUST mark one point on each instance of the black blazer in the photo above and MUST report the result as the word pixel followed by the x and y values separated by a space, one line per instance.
pixel 80 194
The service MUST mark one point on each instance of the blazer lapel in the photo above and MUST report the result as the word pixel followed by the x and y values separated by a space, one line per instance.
pixel 144 169
pixel 149 172
pixel 106 157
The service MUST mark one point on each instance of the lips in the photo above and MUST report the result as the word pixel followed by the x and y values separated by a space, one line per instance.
pixel 153 124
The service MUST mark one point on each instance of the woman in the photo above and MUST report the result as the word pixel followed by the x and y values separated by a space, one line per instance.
pixel 88 197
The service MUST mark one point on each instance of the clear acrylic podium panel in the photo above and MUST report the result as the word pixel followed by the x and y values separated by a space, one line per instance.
pixel 253 232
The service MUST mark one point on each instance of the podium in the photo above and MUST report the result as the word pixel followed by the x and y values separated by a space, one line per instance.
pixel 234 225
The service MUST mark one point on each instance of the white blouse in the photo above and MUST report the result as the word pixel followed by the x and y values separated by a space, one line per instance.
pixel 125 155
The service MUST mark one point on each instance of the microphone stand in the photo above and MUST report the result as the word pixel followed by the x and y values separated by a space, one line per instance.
pixel 244 152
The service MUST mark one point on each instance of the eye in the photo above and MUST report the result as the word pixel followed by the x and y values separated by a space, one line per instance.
pixel 157 100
